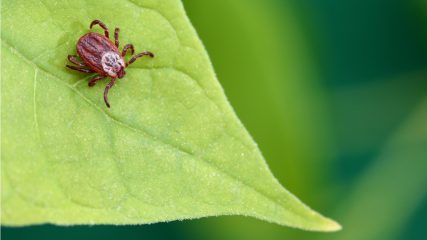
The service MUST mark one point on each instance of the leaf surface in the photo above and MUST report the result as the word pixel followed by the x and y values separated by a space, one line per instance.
pixel 170 147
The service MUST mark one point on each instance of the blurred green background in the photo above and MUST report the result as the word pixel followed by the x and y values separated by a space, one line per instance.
pixel 335 94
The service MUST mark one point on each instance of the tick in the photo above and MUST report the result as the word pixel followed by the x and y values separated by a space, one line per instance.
pixel 100 55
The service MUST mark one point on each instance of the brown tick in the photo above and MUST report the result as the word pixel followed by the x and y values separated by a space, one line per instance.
pixel 100 55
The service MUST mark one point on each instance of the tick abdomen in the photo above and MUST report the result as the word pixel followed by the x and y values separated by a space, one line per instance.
pixel 92 47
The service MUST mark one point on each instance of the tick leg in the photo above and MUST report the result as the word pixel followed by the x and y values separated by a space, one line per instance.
pixel 138 56
pixel 73 59
pixel 93 81
pixel 102 25
pixel 126 48
pixel 116 36
pixel 107 88
pixel 80 69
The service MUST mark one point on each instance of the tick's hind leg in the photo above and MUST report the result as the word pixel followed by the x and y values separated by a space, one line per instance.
pixel 80 69
pixel 93 81
pixel 107 89
pixel 126 48
pixel 102 25
pixel 138 56
pixel 116 36
pixel 73 59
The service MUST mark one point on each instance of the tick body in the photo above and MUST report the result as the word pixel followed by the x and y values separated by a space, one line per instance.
pixel 100 55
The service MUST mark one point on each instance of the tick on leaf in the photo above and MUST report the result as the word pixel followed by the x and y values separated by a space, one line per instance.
pixel 100 55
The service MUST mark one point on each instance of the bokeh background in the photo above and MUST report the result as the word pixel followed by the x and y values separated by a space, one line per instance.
pixel 335 94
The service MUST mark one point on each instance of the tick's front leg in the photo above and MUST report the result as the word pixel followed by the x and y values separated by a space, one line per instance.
pixel 107 89
pixel 138 56
pixel 102 25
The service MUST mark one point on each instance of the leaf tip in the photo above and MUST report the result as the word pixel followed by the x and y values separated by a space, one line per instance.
pixel 332 226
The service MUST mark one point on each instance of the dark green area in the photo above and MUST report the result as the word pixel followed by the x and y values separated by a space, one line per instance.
pixel 155 231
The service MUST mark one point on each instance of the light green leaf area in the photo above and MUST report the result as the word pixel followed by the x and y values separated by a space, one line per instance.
pixel 169 148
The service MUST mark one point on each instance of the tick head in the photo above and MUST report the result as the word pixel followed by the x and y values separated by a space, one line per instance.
pixel 113 65
pixel 121 73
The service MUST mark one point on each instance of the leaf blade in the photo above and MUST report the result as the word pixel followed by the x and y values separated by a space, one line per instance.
pixel 171 146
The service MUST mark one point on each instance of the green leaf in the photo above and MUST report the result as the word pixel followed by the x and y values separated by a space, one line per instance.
pixel 170 147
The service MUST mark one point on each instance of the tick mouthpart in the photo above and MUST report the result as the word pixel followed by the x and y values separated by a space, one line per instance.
pixel 121 73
